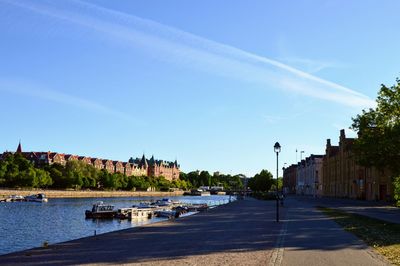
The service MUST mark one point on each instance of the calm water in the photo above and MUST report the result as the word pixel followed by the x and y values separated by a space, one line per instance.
pixel 25 225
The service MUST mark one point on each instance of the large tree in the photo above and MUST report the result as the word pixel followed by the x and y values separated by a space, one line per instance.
pixel 262 181
pixel 378 128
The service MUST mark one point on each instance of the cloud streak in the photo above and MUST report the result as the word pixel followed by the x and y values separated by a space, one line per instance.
pixel 183 48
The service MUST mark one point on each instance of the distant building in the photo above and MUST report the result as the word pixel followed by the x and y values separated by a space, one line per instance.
pixel 289 179
pixel 312 174
pixel 152 167
pixel 135 167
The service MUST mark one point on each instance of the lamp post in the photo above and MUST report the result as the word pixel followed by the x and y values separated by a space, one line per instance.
pixel 277 149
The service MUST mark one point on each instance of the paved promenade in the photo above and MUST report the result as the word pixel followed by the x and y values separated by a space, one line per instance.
pixel 311 238
pixel 241 233
pixel 378 210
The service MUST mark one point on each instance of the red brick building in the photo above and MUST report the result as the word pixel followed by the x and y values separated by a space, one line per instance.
pixel 289 179
pixel 169 170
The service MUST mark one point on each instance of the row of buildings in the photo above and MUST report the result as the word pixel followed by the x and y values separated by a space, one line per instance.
pixel 337 174
pixel 134 167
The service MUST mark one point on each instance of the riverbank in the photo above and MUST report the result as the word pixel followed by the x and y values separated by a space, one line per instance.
pixel 87 193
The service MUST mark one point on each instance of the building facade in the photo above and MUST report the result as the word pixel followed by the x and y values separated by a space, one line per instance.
pixel 343 177
pixel 289 179
pixel 152 167
pixel 312 175
pixel 134 167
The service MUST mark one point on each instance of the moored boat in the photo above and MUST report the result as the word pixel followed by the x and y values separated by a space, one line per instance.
pixel 134 213
pixel 37 198
pixel 166 214
pixel 101 211
pixel 14 198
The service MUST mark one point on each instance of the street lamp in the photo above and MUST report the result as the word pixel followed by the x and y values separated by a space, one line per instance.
pixel 277 149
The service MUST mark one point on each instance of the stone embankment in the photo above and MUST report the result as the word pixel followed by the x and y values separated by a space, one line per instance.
pixel 86 193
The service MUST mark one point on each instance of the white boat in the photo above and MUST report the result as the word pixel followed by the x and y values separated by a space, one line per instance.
pixel 14 198
pixel 134 213
pixel 101 211
pixel 37 198
pixel 141 213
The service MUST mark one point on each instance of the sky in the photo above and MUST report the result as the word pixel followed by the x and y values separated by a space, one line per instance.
pixel 213 84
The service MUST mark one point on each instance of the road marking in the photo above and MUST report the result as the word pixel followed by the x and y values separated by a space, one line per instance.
pixel 277 253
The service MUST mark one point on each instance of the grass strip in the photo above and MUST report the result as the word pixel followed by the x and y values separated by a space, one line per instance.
pixel 383 236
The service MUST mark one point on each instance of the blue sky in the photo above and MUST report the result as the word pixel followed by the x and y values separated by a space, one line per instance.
pixel 213 84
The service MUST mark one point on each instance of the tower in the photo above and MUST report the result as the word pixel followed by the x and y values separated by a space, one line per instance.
pixel 19 148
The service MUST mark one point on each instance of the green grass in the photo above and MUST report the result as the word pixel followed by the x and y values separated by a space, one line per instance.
pixel 383 236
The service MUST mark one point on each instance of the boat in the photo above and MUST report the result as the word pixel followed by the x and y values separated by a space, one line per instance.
pixel 37 198
pixel 163 202
pixel 167 214
pixel 134 213
pixel 197 192
pixel 141 213
pixel 101 211
pixel 14 198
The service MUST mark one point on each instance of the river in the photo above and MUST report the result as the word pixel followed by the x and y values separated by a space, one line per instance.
pixel 25 225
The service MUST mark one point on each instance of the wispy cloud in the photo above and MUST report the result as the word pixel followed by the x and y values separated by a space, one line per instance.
pixel 183 48
pixel 29 89
pixel 310 65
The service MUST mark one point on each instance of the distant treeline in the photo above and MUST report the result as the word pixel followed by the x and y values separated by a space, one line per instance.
pixel 204 178
pixel 18 172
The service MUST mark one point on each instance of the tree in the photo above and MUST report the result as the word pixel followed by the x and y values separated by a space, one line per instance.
pixel 378 128
pixel 280 184
pixel 56 172
pixel 193 177
pixel 42 179
pixel 205 178
pixel 262 181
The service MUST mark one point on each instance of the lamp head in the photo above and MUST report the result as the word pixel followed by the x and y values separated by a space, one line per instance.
pixel 277 147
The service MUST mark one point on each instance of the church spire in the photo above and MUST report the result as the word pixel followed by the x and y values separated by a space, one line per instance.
pixel 19 148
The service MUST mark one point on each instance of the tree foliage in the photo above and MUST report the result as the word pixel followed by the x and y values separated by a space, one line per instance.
pixel 197 179
pixel 16 171
pixel 262 181
pixel 378 128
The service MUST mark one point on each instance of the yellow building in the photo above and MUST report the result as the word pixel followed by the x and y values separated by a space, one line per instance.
pixel 344 178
